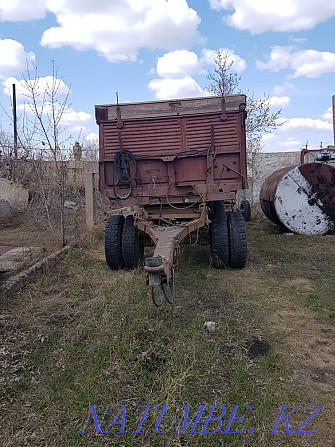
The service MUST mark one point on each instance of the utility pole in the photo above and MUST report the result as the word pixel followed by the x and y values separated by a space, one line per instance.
pixel 334 118
pixel 15 132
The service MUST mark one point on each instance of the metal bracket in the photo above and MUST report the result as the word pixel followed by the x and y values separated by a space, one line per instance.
pixel 224 115
pixel 118 115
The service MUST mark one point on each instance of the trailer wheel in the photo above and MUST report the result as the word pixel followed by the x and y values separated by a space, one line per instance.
pixel 237 240
pixel 113 244
pixel 219 235
pixel 246 210
pixel 132 244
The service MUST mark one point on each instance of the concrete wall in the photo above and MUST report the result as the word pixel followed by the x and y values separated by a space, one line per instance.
pixel 263 165
pixel 12 197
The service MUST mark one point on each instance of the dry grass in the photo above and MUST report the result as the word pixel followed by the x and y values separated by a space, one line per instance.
pixel 84 335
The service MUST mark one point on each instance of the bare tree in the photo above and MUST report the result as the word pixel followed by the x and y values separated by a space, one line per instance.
pixel 45 136
pixel 223 81
pixel 91 150
pixel 260 119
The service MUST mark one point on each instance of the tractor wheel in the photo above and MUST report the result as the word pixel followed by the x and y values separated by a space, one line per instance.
pixel 113 244
pixel 246 210
pixel 132 244
pixel 237 240
pixel 219 235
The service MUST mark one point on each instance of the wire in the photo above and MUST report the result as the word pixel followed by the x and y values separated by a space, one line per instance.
pixel 122 163
pixel 154 299
pixel 201 196
pixel 169 297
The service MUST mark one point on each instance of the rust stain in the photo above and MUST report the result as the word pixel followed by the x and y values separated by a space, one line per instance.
pixel 321 177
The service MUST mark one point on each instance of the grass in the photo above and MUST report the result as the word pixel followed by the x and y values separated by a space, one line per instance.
pixel 83 335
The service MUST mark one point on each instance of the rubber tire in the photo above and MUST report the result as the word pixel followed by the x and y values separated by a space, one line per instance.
pixel 219 235
pixel 237 240
pixel 246 210
pixel 132 244
pixel 113 242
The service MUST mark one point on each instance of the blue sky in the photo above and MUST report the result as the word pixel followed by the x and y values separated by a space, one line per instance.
pixel 162 49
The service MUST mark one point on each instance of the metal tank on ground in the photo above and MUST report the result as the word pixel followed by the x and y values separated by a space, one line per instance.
pixel 301 198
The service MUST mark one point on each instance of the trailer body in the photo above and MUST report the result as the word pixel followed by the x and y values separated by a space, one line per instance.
pixel 183 150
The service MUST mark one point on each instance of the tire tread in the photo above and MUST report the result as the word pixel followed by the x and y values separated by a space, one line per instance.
pixel 219 235
pixel 237 240
pixel 113 237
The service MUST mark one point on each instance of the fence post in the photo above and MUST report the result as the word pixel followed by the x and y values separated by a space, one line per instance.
pixel 89 200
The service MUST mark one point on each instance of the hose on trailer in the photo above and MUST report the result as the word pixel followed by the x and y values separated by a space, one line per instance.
pixel 122 178
pixel 167 296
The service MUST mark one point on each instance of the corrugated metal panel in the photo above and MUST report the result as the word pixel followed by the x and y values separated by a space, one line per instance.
pixel 199 132
pixel 165 137
pixel 145 137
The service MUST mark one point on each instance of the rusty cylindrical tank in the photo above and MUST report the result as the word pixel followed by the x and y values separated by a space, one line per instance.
pixel 301 198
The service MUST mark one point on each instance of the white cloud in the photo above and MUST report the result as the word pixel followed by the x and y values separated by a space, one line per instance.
pixel 279 59
pixel 305 125
pixel 178 64
pixel 118 29
pixel 209 56
pixel 259 16
pixel 281 89
pixel 278 144
pixel 294 133
pixel 309 63
pixel 328 115
pixel 217 4
pixel 291 142
pixel 42 85
pixel 176 68
pixel 13 58
pixel 22 10
pixel 115 29
pixel 92 137
pixel 312 63
pixel 78 119
pixel 267 137
pixel 70 118
pixel 280 101
pixel 176 88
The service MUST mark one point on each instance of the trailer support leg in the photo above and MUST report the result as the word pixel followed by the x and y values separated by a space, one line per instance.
pixel 159 267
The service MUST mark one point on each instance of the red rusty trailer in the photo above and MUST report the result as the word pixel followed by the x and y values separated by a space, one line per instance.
pixel 178 164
